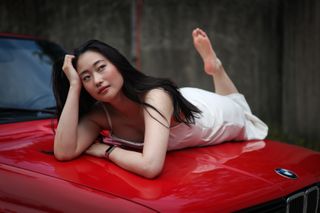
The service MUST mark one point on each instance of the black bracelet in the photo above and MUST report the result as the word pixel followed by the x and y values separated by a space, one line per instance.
pixel 109 150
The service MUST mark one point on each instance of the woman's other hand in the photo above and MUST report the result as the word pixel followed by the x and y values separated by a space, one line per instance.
pixel 97 149
pixel 70 71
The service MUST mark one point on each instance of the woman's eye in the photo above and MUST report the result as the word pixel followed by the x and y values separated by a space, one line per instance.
pixel 85 78
pixel 101 68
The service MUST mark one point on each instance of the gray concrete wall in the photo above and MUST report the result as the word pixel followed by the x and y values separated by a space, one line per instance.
pixel 270 48
pixel 71 22
pixel 245 36
pixel 301 70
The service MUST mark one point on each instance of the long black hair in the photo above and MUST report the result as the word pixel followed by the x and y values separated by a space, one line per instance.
pixel 135 84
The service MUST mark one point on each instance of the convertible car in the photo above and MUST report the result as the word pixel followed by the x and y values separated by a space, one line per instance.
pixel 247 176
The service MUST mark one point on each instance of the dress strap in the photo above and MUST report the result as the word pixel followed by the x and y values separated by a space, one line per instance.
pixel 108 115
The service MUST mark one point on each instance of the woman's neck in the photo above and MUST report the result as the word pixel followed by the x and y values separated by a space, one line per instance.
pixel 124 106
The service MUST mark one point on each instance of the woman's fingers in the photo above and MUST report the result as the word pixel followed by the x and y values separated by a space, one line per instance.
pixel 67 61
pixel 70 71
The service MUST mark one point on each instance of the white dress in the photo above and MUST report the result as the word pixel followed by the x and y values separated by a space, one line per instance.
pixel 223 118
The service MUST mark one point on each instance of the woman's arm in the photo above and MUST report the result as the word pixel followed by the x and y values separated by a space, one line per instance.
pixel 150 162
pixel 73 137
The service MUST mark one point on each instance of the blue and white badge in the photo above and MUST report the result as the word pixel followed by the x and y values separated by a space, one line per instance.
pixel 286 173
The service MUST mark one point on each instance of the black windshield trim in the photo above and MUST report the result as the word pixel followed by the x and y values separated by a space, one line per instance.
pixel 49 110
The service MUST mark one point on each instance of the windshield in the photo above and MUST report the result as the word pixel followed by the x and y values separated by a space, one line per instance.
pixel 25 82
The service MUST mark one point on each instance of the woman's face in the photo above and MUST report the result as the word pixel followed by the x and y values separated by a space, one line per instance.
pixel 99 76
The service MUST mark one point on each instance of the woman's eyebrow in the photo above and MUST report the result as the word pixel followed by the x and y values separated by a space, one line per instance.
pixel 93 65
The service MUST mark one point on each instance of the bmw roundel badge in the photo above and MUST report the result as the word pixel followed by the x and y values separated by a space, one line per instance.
pixel 286 173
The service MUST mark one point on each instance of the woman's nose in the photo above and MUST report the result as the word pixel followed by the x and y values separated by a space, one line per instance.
pixel 97 80
pixel 98 84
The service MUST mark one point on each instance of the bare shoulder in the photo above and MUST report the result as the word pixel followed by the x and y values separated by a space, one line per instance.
pixel 162 102
pixel 158 96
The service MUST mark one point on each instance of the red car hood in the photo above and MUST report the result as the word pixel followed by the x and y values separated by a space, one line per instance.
pixel 224 177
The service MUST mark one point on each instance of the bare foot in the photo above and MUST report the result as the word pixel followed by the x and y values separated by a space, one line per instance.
pixel 212 64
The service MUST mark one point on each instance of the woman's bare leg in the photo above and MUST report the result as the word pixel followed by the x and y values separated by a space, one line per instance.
pixel 212 65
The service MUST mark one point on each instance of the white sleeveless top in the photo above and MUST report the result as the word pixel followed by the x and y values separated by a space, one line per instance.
pixel 223 118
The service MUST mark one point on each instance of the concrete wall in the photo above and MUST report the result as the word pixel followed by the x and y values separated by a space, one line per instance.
pixel 246 39
pixel 301 70
pixel 71 22
pixel 269 47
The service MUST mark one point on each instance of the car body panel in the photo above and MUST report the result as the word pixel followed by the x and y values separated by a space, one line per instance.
pixel 225 177
pixel 26 191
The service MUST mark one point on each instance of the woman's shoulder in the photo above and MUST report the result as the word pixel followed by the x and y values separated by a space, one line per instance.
pixel 160 99
pixel 157 95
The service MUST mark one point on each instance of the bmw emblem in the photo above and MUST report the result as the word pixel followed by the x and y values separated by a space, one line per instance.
pixel 286 173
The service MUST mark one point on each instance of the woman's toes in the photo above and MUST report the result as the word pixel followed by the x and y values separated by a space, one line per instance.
pixel 194 33
pixel 201 32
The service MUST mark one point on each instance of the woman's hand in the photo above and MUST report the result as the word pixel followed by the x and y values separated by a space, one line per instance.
pixel 70 71
pixel 97 149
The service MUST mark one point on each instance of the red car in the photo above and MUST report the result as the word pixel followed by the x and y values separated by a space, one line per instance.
pixel 250 176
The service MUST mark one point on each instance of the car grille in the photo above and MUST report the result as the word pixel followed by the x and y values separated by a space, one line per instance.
pixel 303 201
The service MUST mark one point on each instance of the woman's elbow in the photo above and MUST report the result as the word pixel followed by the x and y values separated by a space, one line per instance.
pixel 61 156
pixel 150 174
pixel 151 171
pixel 63 153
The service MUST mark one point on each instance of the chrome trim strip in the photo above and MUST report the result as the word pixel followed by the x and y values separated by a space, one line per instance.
pixel 304 195
pixel 314 188
pixel 293 197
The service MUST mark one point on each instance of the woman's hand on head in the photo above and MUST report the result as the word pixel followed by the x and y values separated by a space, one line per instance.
pixel 70 71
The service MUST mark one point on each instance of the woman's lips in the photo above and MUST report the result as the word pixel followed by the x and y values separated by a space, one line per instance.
pixel 103 89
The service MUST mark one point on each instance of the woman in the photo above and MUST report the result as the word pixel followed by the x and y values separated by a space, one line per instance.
pixel 97 89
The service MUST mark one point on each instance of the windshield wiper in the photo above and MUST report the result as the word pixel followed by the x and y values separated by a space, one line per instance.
pixel 49 110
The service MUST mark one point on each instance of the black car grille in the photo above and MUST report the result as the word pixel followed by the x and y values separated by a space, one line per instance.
pixel 306 200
